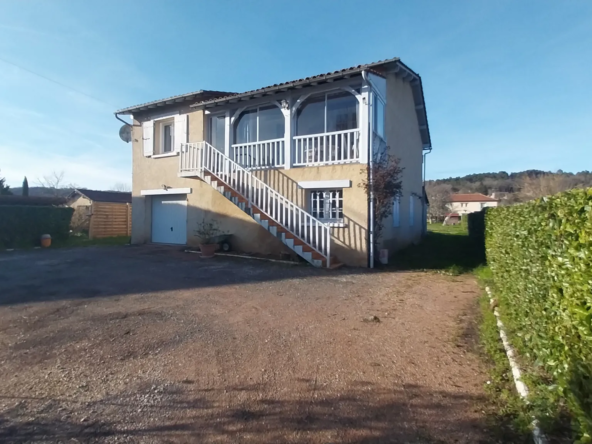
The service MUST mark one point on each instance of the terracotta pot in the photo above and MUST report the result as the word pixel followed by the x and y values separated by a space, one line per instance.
pixel 208 250
pixel 45 240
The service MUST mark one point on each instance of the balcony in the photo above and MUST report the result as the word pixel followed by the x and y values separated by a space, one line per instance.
pixel 327 148
pixel 338 147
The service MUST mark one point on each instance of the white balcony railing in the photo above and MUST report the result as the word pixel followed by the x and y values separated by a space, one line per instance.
pixel 327 148
pixel 254 155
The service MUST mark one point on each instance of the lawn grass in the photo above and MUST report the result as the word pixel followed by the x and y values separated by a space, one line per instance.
pixel 83 241
pixel 445 248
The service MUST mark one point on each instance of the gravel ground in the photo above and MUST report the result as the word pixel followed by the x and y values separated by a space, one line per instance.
pixel 146 344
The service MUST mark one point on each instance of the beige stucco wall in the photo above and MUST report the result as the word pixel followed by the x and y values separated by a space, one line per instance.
pixel 204 201
pixel 469 207
pixel 404 140
pixel 350 242
pixel 79 202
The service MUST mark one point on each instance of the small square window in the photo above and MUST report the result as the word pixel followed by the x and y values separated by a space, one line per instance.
pixel 327 205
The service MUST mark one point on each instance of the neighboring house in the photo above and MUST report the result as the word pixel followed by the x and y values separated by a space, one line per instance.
pixel 470 203
pixel 280 167
pixel 101 213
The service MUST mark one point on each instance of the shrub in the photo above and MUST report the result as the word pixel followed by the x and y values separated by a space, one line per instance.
pixel 476 226
pixel 22 225
pixel 540 254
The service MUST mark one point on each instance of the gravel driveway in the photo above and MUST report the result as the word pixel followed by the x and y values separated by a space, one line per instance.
pixel 146 344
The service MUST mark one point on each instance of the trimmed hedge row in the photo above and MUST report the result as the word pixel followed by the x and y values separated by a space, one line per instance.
pixel 476 226
pixel 540 254
pixel 22 225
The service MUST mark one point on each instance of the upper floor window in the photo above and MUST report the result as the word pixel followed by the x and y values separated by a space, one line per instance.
pixel 379 113
pixel 217 131
pixel 165 141
pixel 336 111
pixel 258 124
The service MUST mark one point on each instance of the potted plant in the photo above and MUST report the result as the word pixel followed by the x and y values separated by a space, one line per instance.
pixel 206 232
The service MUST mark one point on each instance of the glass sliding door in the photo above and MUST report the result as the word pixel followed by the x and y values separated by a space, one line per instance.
pixel 217 132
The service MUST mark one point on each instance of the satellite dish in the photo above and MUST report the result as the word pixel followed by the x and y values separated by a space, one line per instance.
pixel 125 133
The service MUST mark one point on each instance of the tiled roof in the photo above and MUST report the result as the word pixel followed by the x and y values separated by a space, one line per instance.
pixel 381 67
pixel 472 197
pixel 207 99
pixel 105 196
pixel 319 78
pixel 188 97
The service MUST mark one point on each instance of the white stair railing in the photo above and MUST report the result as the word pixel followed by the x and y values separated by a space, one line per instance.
pixel 201 157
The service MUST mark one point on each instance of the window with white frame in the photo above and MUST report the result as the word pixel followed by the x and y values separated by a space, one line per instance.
pixel 379 116
pixel 166 136
pixel 258 124
pixel 396 213
pixel 330 112
pixel 327 205
pixel 217 131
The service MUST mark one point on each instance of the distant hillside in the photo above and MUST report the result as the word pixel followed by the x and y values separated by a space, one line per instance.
pixel 42 191
pixel 504 182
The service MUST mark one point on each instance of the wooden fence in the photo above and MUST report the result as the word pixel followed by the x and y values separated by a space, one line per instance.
pixel 110 219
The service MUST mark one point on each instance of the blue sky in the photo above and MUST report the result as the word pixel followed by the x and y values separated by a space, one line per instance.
pixel 508 84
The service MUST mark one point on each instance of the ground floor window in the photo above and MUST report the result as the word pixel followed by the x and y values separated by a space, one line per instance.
pixel 327 205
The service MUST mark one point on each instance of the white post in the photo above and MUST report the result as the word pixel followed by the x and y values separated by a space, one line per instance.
pixel 287 134
pixel 227 134
pixel 364 122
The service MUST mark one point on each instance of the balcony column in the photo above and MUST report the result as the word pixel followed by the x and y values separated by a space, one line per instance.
pixel 365 110
pixel 285 107
pixel 227 141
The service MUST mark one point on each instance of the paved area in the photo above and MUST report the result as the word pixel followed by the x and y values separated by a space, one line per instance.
pixel 144 344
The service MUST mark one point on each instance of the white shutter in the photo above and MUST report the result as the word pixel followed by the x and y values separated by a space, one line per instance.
pixel 411 210
pixel 396 213
pixel 148 138
pixel 180 131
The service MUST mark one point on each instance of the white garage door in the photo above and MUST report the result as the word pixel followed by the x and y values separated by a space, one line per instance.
pixel 169 219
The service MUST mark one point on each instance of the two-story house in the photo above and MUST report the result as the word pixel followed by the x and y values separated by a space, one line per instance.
pixel 470 202
pixel 282 166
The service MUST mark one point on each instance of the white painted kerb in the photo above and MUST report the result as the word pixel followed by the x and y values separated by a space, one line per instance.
pixel 162 191
pixel 537 434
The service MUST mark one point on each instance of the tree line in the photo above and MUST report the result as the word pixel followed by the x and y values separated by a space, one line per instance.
pixel 53 184
pixel 510 188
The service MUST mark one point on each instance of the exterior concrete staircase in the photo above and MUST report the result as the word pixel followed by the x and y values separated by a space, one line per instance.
pixel 297 229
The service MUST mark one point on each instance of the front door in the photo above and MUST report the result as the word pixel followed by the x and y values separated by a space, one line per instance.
pixel 169 219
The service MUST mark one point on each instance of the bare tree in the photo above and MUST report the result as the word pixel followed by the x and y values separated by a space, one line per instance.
pixel 439 195
pixel 543 185
pixel 121 186
pixel 386 186
pixel 55 183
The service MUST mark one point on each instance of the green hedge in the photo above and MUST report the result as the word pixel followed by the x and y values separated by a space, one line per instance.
pixel 540 254
pixel 476 226
pixel 22 225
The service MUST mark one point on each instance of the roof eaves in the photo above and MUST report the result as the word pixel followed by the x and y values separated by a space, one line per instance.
pixel 312 80
pixel 192 96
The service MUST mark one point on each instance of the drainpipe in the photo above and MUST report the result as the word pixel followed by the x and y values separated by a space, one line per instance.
pixel 425 203
pixel 122 121
pixel 370 176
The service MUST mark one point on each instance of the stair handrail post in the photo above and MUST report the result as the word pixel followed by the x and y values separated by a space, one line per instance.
pixel 328 240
